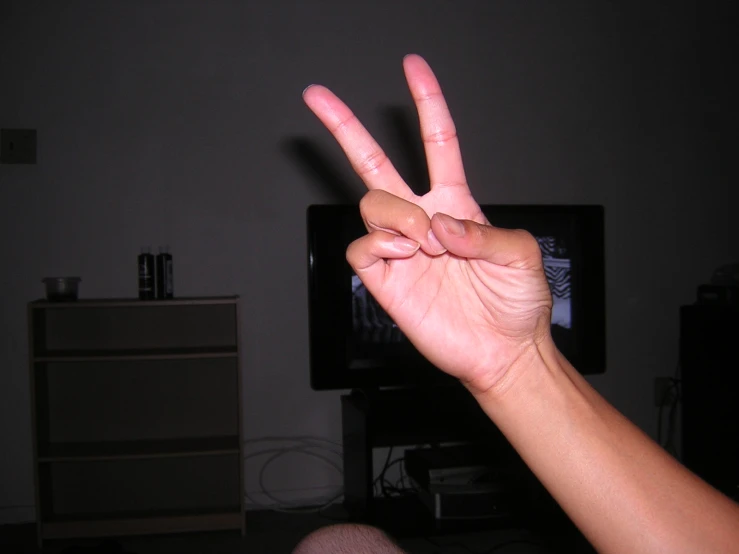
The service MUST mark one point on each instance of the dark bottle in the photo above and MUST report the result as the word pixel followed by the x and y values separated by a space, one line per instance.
pixel 165 273
pixel 146 274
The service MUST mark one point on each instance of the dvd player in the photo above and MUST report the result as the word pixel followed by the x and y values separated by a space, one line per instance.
pixel 465 482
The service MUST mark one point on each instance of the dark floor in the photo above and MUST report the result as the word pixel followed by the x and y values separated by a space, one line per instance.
pixel 278 533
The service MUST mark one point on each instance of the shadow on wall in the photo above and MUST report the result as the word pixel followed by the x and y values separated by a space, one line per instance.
pixel 321 170
pixel 404 147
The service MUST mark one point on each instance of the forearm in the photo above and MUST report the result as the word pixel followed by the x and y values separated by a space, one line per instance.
pixel 622 490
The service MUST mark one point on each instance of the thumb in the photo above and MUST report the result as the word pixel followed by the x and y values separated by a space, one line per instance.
pixel 468 239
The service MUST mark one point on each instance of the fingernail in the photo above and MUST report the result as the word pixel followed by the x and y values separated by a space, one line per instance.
pixel 405 244
pixel 451 225
pixel 306 89
pixel 434 242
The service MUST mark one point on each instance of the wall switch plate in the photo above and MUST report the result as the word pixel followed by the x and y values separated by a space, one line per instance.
pixel 18 146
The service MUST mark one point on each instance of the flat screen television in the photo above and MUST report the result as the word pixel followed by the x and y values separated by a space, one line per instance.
pixel 354 344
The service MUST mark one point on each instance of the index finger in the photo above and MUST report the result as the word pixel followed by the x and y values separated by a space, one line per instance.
pixel 365 155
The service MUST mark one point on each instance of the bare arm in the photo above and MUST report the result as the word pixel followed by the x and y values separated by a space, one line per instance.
pixel 621 489
pixel 474 300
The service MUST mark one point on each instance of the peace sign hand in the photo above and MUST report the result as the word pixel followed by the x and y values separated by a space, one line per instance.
pixel 471 297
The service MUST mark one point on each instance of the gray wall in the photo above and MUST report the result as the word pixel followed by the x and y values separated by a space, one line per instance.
pixel 177 122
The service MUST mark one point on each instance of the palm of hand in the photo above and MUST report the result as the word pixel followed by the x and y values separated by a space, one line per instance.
pixel 468 316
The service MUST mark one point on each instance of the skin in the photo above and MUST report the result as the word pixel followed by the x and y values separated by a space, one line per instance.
pixel 474 300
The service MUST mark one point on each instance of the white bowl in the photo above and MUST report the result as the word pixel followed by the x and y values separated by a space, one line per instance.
pixel 61 289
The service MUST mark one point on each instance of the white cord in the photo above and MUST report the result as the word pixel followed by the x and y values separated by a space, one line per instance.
pixel 306 447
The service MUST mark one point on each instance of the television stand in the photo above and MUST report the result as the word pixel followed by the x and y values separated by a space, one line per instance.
pixel 403 417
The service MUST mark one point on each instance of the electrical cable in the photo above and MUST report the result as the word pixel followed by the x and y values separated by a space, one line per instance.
pixel 395 489
pixel 306 446
pixel 673 410
pixel 671 420
pixel 675 383
pixel 660 416
pixel 281 453
pixel 384 470
pixel 389 489
pixel 405 487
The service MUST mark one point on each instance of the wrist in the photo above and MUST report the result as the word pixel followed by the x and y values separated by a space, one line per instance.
pixel 531 367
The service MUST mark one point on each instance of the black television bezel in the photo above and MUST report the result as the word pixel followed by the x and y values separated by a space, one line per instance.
pixel 331 227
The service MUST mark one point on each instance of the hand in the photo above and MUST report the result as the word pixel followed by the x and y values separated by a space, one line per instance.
pixel 471 297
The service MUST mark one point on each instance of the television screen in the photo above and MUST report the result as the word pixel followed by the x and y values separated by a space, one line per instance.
pixel 355 344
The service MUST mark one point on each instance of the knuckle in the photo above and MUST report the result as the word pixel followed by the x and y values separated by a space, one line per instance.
pixel 529 244
pixel 372 201
pixel 411 220
pixel 526 237
pixel 415 218
pixel 365 204
pixel 440 136
pixel 371 162
pixel 344 123
pixel 368 200
pixel 480 233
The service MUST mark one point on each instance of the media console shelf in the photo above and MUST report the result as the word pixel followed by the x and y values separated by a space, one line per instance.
pixel 435 416
pixel 136 416
pixel 405 418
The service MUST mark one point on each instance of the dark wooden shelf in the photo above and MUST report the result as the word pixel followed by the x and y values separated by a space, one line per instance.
pixel 135 354
pixel 175 364
pixel 133 302
pixel 137 450
pixel 140 523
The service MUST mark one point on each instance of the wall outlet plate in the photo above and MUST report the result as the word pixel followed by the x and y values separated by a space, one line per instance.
pixel 18 146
